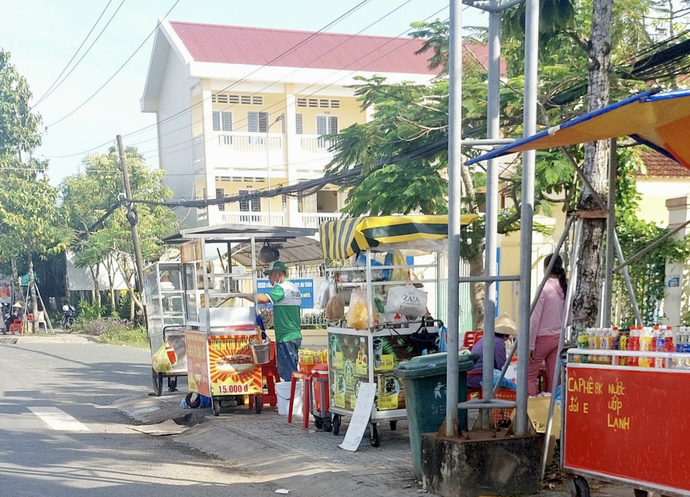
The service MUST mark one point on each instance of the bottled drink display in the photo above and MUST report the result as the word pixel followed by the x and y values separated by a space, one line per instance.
pixel 652 339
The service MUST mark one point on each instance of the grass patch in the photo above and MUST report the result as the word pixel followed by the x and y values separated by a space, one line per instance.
pixel 116 332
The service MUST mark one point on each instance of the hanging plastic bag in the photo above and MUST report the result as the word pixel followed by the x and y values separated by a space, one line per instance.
pixel 322 295
pixel 424 340
pixel 335 309
pixel 407 300
pixel 164 359
pixel 357 313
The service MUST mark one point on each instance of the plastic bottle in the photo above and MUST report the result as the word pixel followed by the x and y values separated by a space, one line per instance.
pixel 592 343
pixel 630 360
pixel 645 346
pixel 622 345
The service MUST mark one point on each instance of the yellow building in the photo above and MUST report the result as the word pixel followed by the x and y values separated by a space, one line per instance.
pixel 242 109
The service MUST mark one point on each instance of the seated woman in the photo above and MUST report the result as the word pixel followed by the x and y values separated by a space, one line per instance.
pixel 504 328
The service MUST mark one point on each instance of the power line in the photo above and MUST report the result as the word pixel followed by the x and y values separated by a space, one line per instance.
pixel 343 178
pixel 116 72
pixel 50 90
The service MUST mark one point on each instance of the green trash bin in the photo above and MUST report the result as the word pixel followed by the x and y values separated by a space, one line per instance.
pixel 424 381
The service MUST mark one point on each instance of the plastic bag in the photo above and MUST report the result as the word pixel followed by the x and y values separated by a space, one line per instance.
pixel 335 309
pixel 322 295
pixel 406 300
pixel 505 382
pixel 162 362
pixel 357 313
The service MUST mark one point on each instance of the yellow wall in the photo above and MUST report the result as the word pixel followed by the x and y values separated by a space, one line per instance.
pixel 273 103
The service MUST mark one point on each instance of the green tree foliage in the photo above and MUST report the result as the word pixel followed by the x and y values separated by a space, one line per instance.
pixel 30 223
pixel 90 195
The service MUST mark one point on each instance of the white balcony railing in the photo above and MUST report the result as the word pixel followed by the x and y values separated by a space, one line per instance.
pixel 315 144
pixel 250 142
pixel 253 218
pixel 315 219
pixel 254 151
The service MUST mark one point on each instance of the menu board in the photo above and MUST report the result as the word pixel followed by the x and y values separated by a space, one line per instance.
pixel 629 423
pixel 349 364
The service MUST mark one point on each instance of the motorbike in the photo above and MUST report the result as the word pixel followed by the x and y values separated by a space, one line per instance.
pixel 69 315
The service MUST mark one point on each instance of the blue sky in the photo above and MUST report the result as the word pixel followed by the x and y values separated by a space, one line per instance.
pixel 42 36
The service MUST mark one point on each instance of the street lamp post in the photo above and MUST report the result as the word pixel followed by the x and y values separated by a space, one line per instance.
pixel 268 165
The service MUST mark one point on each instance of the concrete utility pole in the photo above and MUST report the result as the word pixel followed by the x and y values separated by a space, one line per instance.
pixel 131 216
pixel 454 213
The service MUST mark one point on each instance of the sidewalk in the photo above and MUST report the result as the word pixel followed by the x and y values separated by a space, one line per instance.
pixel 286 456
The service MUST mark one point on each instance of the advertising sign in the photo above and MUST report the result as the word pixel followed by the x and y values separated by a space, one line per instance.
pixel 305 285
pixel 232 367
pixel 621 423
pixel 197 362
pixel 349 363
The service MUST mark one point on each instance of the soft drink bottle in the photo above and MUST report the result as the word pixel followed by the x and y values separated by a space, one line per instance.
pixel 630 360
pixel 623 345
pixel 678 363
pixel 645 346
pixel 659 346
pixel 582 343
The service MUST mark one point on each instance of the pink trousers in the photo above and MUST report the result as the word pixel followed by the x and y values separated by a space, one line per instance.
pixel 546 350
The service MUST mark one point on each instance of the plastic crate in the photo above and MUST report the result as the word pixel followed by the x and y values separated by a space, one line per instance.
pixel 498 414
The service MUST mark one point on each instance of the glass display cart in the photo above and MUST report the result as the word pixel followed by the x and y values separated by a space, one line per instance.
pixel 165 318
pixel 358 254
pixel 220 322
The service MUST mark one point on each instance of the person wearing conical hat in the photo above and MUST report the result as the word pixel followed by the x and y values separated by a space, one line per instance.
pixel 504 328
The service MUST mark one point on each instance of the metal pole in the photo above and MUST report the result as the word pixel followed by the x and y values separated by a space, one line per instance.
pixel 628 283
pixel 564 324
pixel 454 212
pixel 131 215
pixel 527 207
pixel 491 220
pixel 610 235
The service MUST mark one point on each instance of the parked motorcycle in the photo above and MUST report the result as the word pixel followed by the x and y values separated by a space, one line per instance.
pixel 69 315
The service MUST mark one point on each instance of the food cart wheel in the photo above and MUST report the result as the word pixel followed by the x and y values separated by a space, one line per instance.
pixel 193 400
pixel 327 426
pixel 579 487
pixel 216 406
pixel 336 424
pixel 157 383
pixel 394 425
pixel 375 439
pixel 172 383
pixel 257 404
pixel 318 422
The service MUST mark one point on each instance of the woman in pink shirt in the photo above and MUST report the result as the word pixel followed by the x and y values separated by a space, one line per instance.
pixel 545 325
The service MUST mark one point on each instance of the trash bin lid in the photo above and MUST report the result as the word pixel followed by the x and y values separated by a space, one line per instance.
pixel 432 365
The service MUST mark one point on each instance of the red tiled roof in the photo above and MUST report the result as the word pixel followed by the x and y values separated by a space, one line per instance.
pixel 660 166
pixel 260 46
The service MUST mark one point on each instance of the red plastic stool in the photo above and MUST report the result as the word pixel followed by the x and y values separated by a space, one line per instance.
pixel 306 398
pixel 16 327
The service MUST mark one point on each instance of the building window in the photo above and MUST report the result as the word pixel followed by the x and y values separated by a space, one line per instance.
pixel 298 124
pixel 222 120
pixel 253 205
pixel 325 125
pixel 220 193
pixel 257 122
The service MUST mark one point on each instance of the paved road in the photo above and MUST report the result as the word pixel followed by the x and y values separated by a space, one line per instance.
pixel 60 437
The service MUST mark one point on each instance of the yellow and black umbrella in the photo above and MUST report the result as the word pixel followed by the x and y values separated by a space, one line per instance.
pixel 343 238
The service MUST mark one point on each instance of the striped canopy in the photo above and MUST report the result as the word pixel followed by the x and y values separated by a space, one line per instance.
pixel 659 120
pixel 343 238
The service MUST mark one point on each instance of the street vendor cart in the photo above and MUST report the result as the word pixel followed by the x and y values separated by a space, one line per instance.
pixel 370 256
pixel 165 318
pixel 222 332
pixel 626 423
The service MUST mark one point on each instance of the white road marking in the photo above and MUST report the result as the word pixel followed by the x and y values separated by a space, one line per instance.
pixel 58 419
